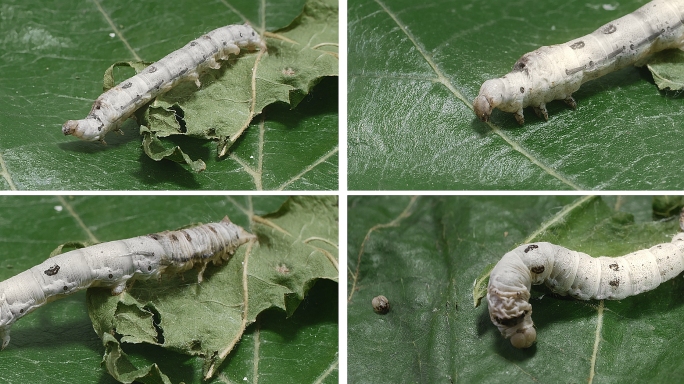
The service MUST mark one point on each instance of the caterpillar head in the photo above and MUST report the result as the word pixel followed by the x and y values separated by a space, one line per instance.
pixel 508 296
pixel 512 314
pixel 85 129
pixel 491 95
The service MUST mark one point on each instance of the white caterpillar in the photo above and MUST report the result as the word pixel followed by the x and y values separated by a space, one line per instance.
pixel 572 273
pixel 556 72
pixel 113 264
pixel 117 104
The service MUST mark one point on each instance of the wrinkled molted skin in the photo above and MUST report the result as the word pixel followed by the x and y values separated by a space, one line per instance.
pixel 116 105
pixel 556 72
pixel 572 273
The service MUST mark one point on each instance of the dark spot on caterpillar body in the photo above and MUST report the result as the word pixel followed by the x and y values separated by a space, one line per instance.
pixel 538 269
pixel 97 104
pixel 519 66
pixel 173 237
pixel 213 230
pixel 149 267
pixel 578 45
pixel 127 85
pixel 531 247
pixel 111 276
pixel 522 89
pixel 65 288
pixel 206 37
pixel 21 310
pixel 614 283
pixel 154 236
pixel 52 270
pixel 187 236
pixel 614 267
pixel 610 28
pixel 193 43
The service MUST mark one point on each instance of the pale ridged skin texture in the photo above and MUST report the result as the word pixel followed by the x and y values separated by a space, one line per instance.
pixel 117 104
pixel 556 72
pixel 572 273
pixel 116 263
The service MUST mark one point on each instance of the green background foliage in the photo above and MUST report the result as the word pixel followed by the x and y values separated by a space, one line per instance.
pixel 414 70
pixel 426 262
pixel 53 58
pixel 57 343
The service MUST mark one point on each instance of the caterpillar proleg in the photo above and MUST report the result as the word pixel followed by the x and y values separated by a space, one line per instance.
pixel 556 72
pixel 113 264
pixel 572 273
pixel 117 104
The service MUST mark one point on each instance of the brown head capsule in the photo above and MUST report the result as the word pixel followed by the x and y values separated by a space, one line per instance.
pixel 380 304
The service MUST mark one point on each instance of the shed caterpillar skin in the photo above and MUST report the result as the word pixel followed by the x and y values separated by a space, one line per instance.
pixel 113 264
pixel 556 72
pixel 117 104
pixel 572 273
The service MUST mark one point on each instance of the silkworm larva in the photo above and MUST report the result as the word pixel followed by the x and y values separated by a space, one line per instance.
pixel 572 273
pixel 556 72
pixel 117 104
pixel 113 264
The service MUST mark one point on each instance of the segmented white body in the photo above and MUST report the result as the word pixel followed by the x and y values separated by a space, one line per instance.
pixel 117 104
pixel 113 264
pixel 572 273
pixel 556 72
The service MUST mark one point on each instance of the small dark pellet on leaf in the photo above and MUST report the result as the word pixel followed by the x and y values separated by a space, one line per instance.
pixel 381 304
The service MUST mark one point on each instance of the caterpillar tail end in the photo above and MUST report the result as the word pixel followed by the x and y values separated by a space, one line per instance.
pixel 243 235
pixel 246 237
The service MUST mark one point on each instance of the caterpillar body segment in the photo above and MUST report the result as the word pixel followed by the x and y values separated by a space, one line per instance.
pixel 116 105
pixel 556 72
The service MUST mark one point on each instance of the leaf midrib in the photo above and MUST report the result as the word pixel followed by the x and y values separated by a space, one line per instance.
pixel 441 78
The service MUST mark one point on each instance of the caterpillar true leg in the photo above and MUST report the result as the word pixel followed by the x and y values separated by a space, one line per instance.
pixel 556 72
pixel 541 111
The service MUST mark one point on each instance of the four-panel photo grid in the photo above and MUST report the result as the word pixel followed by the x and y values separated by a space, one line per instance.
pixel 355 191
